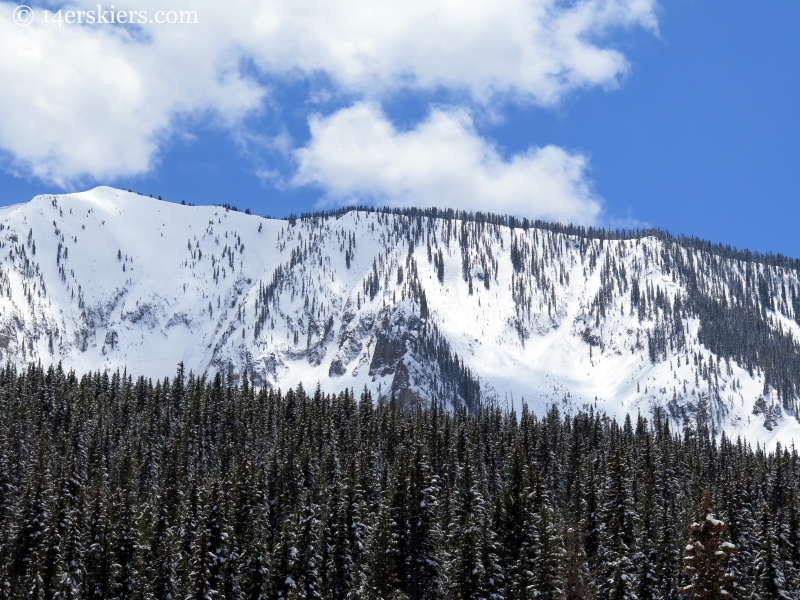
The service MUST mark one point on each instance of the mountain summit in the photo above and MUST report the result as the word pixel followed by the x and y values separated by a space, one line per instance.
pixel 421 304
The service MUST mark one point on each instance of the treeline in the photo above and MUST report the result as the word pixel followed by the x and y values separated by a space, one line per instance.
pixel 192 488
pixel 725 251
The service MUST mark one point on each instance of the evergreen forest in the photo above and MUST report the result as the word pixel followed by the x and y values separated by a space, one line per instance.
pixel 205 488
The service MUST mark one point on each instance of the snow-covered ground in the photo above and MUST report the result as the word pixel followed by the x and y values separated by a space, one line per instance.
pixel 108 279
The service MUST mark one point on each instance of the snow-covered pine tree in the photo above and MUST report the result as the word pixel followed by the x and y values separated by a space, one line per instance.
pixel 424 536
pixel 125 545
pixel 495 583
pixel 37 537
pixel 304 568
pixel 743 531
pixel 617 570
pixel 346 536
pixel 705 556
pixel 521 575
pixel 784 518
pixel 792 540
pixel 667 557
pixel 577 578
pixel 397 496
pixel 249 525
pixel 71 507
pixel 190 559
pixel 646 465
pixel 281 582
pixel 159 560
pixel 514 510
pixel 466 573
pixel 549 564
pixel 771 582
pixel 381 581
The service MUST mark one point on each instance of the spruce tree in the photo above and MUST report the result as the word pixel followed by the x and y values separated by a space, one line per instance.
pixel 34 530
pixel 466 574
pixel 423 535
pixel 618 579
pixel 304 567
pixel 522 571
pixel 549 564
pixel 125 546
pixel 381 581
pixel 705 556
pixel 99 557
pixel 514 510
pixel 495 582
pixel 71 506
pixel 578 583
pixel 249 531
pixel 770 579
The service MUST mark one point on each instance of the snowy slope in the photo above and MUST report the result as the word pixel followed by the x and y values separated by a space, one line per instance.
pixel 108 279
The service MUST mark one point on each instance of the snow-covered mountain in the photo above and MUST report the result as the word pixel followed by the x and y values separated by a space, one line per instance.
pixel 422 304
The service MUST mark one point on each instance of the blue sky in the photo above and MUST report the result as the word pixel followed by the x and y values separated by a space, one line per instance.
pixel 697 132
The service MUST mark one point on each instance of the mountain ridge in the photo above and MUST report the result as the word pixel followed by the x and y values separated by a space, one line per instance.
pixel 590 232
pixel 427 304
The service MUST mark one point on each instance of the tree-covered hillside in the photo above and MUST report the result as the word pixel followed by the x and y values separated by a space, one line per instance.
pixel 114 487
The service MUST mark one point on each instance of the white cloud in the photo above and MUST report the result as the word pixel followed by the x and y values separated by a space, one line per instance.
pixel 356 155
pixel 99 101
pixel 93 101
pixel 536 49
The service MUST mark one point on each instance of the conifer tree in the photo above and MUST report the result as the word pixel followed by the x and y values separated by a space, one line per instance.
pixel 160 563
pixel 282 559
pixel 513 512
pixel 99 557
pixel 125 546
pixel 71 503
pixel 646 525
pixel 381 581
pixel 792 540
pixel 492 563
pixel 52 558
pixel 577 579
pixel 33 531
pixel 770 579
pixel 203 569
pixel 743 532
pixel 466 574
pixel 705 556
pixel 398 490
pixel 347 536
pixel 249 525
pixel 424 536
pixel 522 577
pixel 549 564
pixel 618 579
pixel 190 512
pixel 304 568
pixel 666 555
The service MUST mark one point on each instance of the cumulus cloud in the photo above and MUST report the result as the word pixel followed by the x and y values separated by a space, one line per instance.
pixel 536 49
pixel 80 101
pixel 99 101
pixel 356 155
